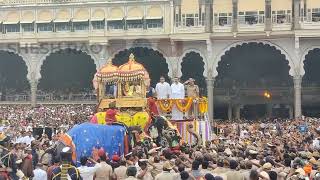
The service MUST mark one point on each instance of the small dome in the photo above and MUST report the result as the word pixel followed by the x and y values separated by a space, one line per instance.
pixel 131 66
pixel 108 70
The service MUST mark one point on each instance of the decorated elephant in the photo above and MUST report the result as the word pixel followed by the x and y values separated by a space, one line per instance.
pixel 86 137
pixel 163 132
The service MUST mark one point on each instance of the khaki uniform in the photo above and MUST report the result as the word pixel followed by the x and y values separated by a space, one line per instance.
pixel 192 91
pixel 120 172
pixel 131 178
pixel 234 175
pixel 167 176
pixel 104 172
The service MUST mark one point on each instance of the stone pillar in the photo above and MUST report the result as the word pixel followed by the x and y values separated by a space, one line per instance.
pixel 172 17
pixel 296 12
pixel 237 112
pixel 33 88
pixel 208 15
pixel 269 110
pixel 268 22
pixel 210 83
pixel 234 16
pixel 297 96
pixel 290 112
pixel 229 111
pixel 173 64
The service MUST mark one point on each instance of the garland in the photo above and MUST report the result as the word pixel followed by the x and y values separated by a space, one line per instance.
pixel 203 105
pixel 184 105
pixel 165 105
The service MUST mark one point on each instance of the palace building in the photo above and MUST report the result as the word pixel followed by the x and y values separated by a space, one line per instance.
pixel 218 32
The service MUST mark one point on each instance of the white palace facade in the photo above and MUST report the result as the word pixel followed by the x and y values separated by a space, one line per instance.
pixel 172 27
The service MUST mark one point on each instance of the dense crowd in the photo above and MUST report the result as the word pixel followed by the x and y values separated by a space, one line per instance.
pixel 50 115
pixel 244 150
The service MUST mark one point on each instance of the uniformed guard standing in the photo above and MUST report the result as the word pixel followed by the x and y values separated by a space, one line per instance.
pixel 66 171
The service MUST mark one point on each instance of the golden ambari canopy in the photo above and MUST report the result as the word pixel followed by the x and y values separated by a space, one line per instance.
pixel 108 73
pixel 132 70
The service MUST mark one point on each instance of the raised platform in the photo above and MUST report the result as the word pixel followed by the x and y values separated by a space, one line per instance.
pixel 203 128
pixel 124 103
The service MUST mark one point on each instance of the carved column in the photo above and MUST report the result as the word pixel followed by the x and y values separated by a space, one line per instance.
pixel 33 88
pixel 175 70
pixel 268 22
pixel 235 16
pixel 269 110
pixel 210 81
pixel 297 96
pixel 208 15
pixel 290 112
pixel 229 111
pixel 237 111
pixel 296 12
pixel 210 86
pixel 172 17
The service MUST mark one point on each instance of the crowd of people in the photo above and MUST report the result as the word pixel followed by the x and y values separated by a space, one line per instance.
pixel 20 116
pixel 244 150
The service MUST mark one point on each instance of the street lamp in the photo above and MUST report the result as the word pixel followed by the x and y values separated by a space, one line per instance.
pixel 267 94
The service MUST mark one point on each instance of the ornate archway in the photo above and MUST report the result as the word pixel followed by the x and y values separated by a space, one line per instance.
pixel 193 66
pixel 152 60
pixel 13 74
pixel 218 57
pixel 67 70
pixel 201 54
pixel 311 83
pixel 246 72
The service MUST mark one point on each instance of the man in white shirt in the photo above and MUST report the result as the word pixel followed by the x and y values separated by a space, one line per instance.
pixel 86 172
pixel 28 138
pixel 163 89
pixel 177 92
pixel 39 174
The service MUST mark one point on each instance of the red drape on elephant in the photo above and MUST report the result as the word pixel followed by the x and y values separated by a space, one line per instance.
pixel 153 106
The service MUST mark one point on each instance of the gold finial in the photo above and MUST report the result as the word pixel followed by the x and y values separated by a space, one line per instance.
pixel 131 57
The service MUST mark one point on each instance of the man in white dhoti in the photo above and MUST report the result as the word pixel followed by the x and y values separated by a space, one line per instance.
pixel 163 89
pixel 177 92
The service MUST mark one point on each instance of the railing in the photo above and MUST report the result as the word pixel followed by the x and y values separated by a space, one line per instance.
pixel 71 97
pixel 17 98
pixel 51 97
pixel 183 109
pixel 5 2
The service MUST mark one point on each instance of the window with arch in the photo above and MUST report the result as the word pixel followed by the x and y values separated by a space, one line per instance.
pixel 116 24
pixel 62 26
pixel 98 25
pixel 281 16
pixel 222 19
pixel 81 26
pixel 134 23
pixel 27 27
pixel 313 15
pixel 45 27
pixel 251 17
pixel 190 20
pixel 154 23
pixel 12 28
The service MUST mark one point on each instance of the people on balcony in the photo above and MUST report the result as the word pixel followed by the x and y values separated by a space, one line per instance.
pixel 177 92
pixel 163 89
